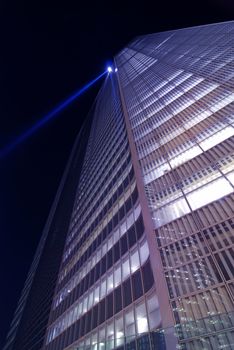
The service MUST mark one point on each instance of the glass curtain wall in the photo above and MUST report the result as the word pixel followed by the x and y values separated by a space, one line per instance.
pixel 105 289
pixel 178 91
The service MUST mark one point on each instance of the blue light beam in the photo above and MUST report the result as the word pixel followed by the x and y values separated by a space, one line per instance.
pixel 25 135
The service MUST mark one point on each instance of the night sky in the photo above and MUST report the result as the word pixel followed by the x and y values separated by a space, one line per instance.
pixel 47 51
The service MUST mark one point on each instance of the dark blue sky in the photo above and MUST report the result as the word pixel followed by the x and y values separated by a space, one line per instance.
pixel 48 50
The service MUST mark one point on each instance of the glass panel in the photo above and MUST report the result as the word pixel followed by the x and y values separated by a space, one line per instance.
pixel 96 295
pixel 170 212
pixel 110 283
pixel 217 138
pixel 129 323
pixel 154 312
pixel 142 323
pixel 103 289
pixel 125 268
pixel 102 338
pixel 209 193
pixel 144 252
pixel 119 332
pixel 110 336
pixel 135 262
pixel 117 278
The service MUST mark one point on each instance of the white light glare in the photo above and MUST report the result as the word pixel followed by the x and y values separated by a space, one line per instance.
pixel 109 69
pixel 116 70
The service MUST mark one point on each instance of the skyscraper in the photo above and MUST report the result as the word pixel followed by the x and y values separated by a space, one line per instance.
pixel 144 230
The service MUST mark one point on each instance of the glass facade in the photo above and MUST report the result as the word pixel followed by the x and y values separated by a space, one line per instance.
pixel 105 285
pixel 147 259
pixel 178 90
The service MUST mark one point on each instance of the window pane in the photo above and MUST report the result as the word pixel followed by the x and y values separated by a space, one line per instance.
pixel 110 283
pixel 119 332
pixel 144 252
pixel 117 276
pixel 110 336
pixel 127 292
pixel 125 268
pixel 103 289
pixel 142 324
pixel 154 312
pixel 118 299
pixel 129 324
pixel 209 193
pixel 135 262
pixel 137 285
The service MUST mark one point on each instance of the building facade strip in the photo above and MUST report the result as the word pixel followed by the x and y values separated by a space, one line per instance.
pixel 159 278
pixel 187 163
pixel 111 258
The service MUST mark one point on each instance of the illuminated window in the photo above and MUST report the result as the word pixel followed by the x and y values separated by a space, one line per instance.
pixel 135 262
pixel 209 193
pixel 217 138
pixel 110 283
pixel 141 319
pixel 125 268
pixel 129 324
pixel 119 331
pixel 117 275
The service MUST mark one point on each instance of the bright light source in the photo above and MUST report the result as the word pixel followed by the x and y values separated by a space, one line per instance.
pixel 109 69
pixel 119 334
pixel 142 324
pixel 116 70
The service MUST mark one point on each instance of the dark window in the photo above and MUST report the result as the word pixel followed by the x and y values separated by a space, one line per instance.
pixel 124 244
pixel 115 196
pixel 88 321
pixel 98 270
pixel 134 195
pixel 143 342
pixel 115 220
pixel 109 226
pixel 94 244
pixel 137 285
pixel 99 239
pixel 76 334
pixel 104 210
pixel 128 205
pixel 120 190
pixel 118 299
pixel 131 345
pixel 103 265
pixel 131 236
pixel 109 204
pixel 121 212
pixel 82 326
pixel 116 252
pixel 109 259
pixel 86 282
pixel 102 311
pixel 95 317
pixel 109 305
pixel 139 227
pixel 127 292
pixel 82 287
pixel 148 278
pixel 91 280
pixel 126 182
